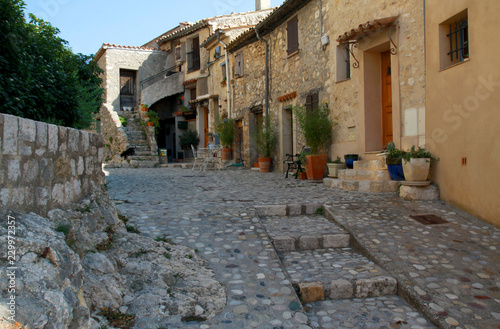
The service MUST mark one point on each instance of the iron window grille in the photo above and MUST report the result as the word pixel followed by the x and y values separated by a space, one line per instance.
pixel 193 60
pixel 459 40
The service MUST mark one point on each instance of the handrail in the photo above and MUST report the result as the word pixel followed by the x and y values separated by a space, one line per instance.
pixel 165 72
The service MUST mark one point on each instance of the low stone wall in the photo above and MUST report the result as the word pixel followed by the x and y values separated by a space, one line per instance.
pixel 44 166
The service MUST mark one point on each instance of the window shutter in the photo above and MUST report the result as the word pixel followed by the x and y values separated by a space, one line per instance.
pixel 238 70
pixel 293 35
pixel 308 103
pixel 314 101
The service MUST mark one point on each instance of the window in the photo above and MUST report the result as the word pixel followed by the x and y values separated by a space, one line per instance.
pixel 223 70
pixel 454 40
pixel 312 102
pixel 194 55
pixel 343 63
pixel 459 40
pixel 180 52
pixel 238 66
pixel 217 52
pixel 293 35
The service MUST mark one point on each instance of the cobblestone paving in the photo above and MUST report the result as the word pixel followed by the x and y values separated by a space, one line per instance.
pixel 325 265
pixel 451 272
pixel 297 226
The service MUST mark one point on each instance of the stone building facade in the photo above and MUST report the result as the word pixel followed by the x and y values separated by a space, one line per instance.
pixel 317 68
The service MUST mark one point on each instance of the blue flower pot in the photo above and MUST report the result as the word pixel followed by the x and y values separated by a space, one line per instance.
pixel 396 171
pixel 349 160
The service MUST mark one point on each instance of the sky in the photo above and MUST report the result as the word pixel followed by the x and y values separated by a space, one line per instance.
pixel 87 24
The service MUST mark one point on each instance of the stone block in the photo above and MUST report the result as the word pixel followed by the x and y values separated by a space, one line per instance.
pixel 89 165
pixel 284 243
pixel 13 170
pixel 341 289
pixel 10 132
pixel 310 209
pixel 5 196
pixel 31 170
pixel 77 188
pixel 328 182
pixel 311 292
pixel 72 165
pixel 271 210
pixel 80 166
pixel 42 195
pixel 336 241
pixel 85 141
pixel 69 192
pixel 350 185
pixel 17 196
pixel 53 138
pixel 58 194
pixel 41 135
pixel 294 210
pixel 27 130
pixel 25 150
pixel 46 169
pixel 100 155
pixel 307 242
pixel 373 287
pixel 419 193
pixel 73 140
pixel 63 140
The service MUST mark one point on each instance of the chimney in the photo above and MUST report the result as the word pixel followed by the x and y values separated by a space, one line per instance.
pixel 262 4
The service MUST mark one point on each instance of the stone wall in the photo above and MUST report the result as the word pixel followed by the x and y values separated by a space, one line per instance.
pixel 113 133
pixel 43 166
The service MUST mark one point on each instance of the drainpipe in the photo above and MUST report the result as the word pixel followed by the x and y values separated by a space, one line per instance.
pixel 227 76
pixel 267 70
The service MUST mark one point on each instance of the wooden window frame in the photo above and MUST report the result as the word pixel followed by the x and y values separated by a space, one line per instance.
pixel 292 29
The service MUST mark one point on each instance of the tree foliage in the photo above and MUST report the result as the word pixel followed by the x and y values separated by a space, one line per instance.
pixel 40 77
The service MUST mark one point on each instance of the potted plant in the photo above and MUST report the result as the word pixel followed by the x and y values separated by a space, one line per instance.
pixel 349 160
pixel 190 137
pixel 316 127
pixel 416 164
pixel 144 107
pixel 225 128
pixel 334 167
pixel 265 139
pixel 394 158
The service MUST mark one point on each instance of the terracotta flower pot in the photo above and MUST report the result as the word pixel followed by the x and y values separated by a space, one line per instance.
pixel 417 169
pixel 145 109
pixel 265 164
pixel 150 124
pixel 302 175
pixel 315 166
pixel 226 154
pixel 256 165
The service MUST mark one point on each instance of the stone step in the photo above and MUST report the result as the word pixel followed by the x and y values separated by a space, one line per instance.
pixel 359 174
pixel 143 164
pixel 148 157
pixel 370 165
pixel 306 232
pixel 336 273
pixel 373 186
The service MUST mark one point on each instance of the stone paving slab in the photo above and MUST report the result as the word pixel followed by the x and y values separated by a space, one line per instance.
pixel 339 269
pixel 448 271
pixel 381 312
pixel 304 232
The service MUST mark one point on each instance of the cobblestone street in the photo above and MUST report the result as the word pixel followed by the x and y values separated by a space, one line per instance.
pixel 447 275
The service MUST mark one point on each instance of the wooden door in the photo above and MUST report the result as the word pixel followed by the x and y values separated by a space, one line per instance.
pixel 127 89
pixel 386 98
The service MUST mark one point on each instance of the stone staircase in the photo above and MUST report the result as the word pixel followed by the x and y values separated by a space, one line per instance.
pixel 366 176
pixel 318 257
pixel 144 157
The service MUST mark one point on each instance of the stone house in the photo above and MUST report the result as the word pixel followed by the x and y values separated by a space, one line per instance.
pixel 308 67
pixel 180 94
pixel 124 68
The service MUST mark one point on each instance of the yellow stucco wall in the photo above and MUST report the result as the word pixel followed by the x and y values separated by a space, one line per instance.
pixel 463 116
